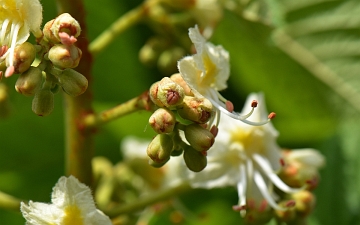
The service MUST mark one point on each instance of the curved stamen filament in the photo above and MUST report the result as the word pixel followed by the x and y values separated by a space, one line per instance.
pixel 14 33
pixel 3 31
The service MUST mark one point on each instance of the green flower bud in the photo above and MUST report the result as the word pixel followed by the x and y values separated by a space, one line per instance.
pixel 194 160
pixel 162 121
pixel 166 93
pixel 160 148
pixel 72 82
pixel 29 82
pixel 150 52
pixel 195 109
pixel 168 59
pixel 199 138
pixel 157 164
pixel 24 56
pixel 64 29
pixel 65 56
pixel 43 102
pixel 258 213
pixel 4 101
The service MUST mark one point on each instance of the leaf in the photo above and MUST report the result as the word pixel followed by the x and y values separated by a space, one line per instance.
pixel 323 36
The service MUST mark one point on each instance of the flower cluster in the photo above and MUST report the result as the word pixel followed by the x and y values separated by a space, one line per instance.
pixel 72 203
pixel 190 102
pixel 270 182
pixel 55 50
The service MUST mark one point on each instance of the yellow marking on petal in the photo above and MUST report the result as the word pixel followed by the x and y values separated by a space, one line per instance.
pixel 251 139
pixel 72 216
pixel 210 71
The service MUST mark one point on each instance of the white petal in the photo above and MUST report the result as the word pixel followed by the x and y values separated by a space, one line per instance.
pixel 40 213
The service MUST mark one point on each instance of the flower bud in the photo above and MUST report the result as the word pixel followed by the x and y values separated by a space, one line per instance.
pixel 29 82
pixel 65 56
pixel 160 148
pixel 73 82
pixel 301 167
pixel 194 160
pixel 24 56
pixel 181 4
pixel 177 78
pixel 4 101
pixel 167 62
pixel 64 29
pixel 150 52
pixel 166 93
pixel 43 102
pixel 195 109
pixel 305 202
pixel 199 138
pixel 257 212
pixel 162 121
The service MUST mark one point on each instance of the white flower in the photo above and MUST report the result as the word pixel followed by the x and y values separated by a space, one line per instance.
pixel 207 72
pixel 246 157
pixel 72 204
pixel 17 19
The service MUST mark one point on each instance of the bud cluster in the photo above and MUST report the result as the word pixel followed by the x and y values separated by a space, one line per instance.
pixel 162 51
pixel 58 55
pixel 180 112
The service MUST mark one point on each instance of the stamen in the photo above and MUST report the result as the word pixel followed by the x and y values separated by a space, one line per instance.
pixel 3 30
pixel 241 209
pixel 229 106
pixel 241 187
pixel 66 39
pixel 254 103
pixel 9 71
pixel 237 116
pixel 265 166
pixel 14 33
pixel 272 115
pixel 264 191
pixel 3 50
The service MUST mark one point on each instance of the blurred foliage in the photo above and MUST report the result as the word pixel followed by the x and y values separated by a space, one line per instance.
pixel 310 110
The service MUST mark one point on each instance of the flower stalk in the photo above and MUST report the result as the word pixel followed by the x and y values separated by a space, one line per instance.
pixel 9 202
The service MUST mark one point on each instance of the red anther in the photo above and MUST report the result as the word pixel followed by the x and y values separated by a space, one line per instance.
pixel 172 97
pixel 290 203
pixel 238 208
pixel 254 103
pixel 204 153
pixel 214 130
pixel 229 106
pixel 9 71
pixel 282 162
pixel 3 50
pixel 272 115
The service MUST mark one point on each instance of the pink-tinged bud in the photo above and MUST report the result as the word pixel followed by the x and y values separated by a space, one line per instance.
pixel 194 160
pixel 160 148
pixel 63 29
pixel 257 212
pixel 24 56
pixel 43 102
pixel 162 121
pixel 64 56
pixel 166 93
pixel 29 82
pixel 177 78
pixel 195 109
pixel 199 138
pixel 72 82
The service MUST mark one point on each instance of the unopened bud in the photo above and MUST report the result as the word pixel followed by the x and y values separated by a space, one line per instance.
pixel 64 29
pixel 24 56
pixel 4 101
pixel 166 93
pixel 65 56
pixel 177 78
pixel 72 82
pixel 194 160
pixel 167 62
pixel 199 138
pixel 150 52
pixel 257 212
pixel 157 164
pixel 160 148
pixel 162 121
pixel 305 202
pixel 29 82
pixel 195 109
pixel 43 102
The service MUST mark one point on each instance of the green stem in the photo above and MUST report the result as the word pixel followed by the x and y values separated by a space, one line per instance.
pixel 126 21
pixel 79 142
pixel 9 202
pixel 141 102
pixel 148 200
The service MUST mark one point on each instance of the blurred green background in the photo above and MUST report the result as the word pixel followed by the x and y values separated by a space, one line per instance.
pixel 309 112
